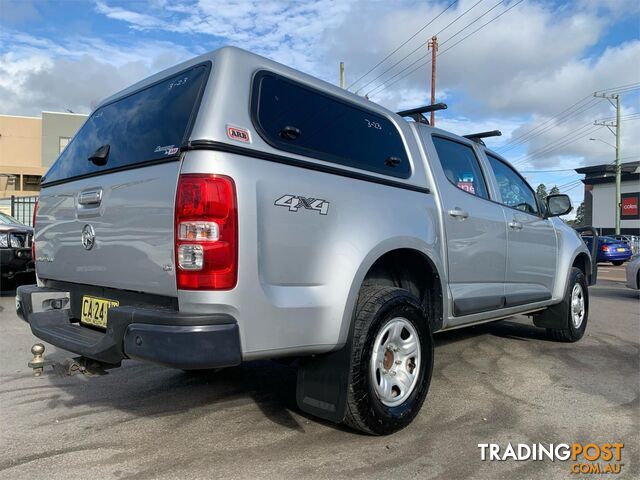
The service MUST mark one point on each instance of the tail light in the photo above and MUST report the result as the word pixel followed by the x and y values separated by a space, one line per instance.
pixel 604 248
pixel 33 238
pixel 206 233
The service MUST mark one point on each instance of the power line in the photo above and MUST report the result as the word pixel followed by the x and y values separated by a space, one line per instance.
pixel 552 147
pixel 522 138
pixel 404 43
pixel 628 86
pixel 575 131
pixel 572 182
pixel 567 113
pixel 424 56
pixel 557 144
pixel 384 87
pixel 575 186
pixel 420 46
pixel 629 116
pixel 468 25
pixel 482 26
pixel 550 171
pixel 540 129
pixel 546 126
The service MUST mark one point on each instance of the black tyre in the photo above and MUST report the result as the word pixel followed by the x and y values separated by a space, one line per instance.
pixel 575 308
pixel 617 263
pixel 391 361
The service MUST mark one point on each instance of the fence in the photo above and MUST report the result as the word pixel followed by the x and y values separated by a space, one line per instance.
pixel 634 243
pixel 22 209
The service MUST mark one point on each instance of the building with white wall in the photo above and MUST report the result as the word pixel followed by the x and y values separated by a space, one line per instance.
pixel 600 198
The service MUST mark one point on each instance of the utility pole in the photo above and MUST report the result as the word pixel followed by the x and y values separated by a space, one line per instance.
pixel 341 74
pixel 616 133
pixel 433 46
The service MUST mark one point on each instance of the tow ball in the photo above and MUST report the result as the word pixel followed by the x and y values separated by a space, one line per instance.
pixel 38 362
pixel 65 368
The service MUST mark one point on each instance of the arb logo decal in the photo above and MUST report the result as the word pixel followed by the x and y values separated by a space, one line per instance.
pixel 239 134
pixel 294 202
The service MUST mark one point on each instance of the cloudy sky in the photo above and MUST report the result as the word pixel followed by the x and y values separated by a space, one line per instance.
pixel 526 67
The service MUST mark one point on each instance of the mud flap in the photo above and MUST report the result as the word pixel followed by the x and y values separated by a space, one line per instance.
pixel 556 317
pixel 322 384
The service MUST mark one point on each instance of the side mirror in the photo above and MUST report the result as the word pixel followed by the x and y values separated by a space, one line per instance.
pixel 557 205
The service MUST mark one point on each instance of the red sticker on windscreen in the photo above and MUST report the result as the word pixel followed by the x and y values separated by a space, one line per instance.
pixel 239 134
pixel 467 187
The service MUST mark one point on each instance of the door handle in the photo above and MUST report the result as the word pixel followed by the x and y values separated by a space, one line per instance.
pixel 514 225
pixel 458 213
pixel 92 196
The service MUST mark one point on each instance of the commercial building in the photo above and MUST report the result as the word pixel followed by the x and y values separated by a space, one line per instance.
pixel 600 198
pixel 29 145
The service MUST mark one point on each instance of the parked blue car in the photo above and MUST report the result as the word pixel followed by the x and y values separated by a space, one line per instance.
pixel 610 249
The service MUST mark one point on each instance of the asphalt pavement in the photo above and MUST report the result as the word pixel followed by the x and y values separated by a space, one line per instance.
pixel 497 383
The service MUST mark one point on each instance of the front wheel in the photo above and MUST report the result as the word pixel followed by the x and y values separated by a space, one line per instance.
pixel 391 361
pixel 576 306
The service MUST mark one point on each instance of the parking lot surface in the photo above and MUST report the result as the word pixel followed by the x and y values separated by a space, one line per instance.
pixel 497 383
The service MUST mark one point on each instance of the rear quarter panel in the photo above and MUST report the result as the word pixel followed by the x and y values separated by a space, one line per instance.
pixel 300 271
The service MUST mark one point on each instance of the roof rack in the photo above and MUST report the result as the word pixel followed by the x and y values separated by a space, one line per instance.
pixel 477 137
pixel 417 113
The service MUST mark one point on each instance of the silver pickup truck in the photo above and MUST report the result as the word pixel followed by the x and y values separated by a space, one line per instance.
pixel 231 209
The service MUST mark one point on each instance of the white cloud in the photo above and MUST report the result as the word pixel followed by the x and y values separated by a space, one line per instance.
pixel 40 74
pixel 288 32
pixel 512 75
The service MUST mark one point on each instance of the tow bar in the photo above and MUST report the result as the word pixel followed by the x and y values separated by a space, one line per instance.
pixel 65 368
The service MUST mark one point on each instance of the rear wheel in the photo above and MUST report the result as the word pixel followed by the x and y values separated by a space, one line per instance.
pixel 391 361
pixel 576 306
pixel 617 263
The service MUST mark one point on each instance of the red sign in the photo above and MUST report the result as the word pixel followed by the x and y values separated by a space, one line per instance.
pixel 629 206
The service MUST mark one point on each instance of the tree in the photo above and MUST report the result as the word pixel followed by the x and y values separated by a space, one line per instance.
pixel 541 191
pixel 554 190
pixel 579 220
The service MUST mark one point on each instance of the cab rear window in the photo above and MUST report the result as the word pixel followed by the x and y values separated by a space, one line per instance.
pixel 298 119
pixel 146 126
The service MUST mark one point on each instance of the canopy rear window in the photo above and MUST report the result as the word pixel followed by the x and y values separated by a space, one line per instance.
pixel 146 126
pixel 298 119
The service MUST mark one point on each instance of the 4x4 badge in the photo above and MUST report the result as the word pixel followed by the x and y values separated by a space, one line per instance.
pixel 294 202
pixel 88 237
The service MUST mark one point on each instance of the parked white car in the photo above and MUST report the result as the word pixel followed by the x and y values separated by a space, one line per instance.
pixel 633 272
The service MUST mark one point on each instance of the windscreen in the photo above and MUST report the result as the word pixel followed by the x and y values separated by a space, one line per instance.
pixel 8 220
pixel 609 240
pixel 146 126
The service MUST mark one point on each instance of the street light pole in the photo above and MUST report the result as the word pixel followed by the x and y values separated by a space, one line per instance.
pixel 618 170
pixel 618 166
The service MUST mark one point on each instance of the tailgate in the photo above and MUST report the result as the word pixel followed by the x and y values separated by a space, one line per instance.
pixel 106 210
pixel 132 228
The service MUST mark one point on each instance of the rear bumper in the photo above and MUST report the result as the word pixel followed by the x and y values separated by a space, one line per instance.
pixel 160 335
pixel 615 257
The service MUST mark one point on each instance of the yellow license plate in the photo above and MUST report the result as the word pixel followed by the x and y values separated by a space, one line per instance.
pixel 621 249
pixel 94 310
